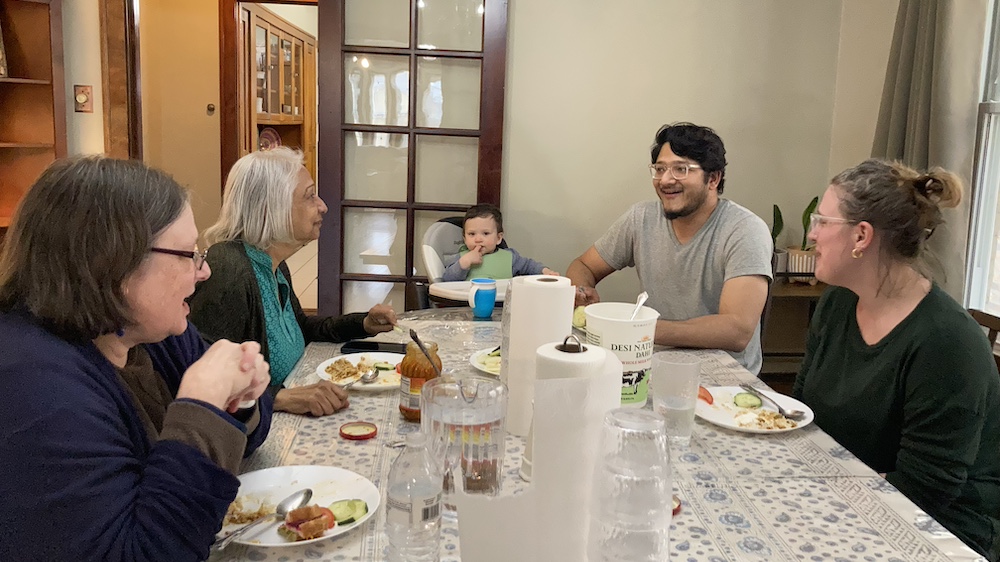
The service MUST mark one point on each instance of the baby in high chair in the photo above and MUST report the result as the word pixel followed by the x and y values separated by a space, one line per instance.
pixel 481 256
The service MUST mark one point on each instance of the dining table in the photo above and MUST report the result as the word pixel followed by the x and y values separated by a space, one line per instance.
pixel 797 495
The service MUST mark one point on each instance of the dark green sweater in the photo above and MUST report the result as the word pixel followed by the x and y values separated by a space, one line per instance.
pixel 922 405
pixel 229 305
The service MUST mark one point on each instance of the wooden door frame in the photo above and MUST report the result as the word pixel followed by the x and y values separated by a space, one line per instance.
pixel 120 78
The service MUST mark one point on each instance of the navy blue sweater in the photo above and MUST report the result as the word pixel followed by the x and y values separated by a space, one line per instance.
pixel 79 477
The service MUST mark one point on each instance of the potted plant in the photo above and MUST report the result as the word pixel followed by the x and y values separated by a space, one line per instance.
pixel 803 258
pixel 780 255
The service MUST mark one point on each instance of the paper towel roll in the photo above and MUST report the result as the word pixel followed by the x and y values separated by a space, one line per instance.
pixel 551 362
pixel 541 312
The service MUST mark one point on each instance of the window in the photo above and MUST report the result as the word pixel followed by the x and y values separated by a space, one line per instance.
pixel 983 278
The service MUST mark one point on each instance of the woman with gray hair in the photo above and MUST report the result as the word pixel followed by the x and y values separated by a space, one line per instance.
pixel 270 210
pixel 896 370
pixel 120 431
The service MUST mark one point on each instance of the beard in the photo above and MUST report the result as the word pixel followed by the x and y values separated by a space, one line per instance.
pixel 696 198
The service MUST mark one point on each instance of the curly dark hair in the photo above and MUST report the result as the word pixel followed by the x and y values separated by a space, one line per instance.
pixel 698 143
pixel 79 232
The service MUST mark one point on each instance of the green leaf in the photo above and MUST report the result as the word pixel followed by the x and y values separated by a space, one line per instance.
pixel 777 225
pixel 806 219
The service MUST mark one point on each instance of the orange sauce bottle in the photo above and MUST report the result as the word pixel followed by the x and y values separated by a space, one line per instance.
pixel 415 370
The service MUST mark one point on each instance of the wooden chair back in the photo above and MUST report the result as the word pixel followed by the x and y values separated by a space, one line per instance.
pixel 992 325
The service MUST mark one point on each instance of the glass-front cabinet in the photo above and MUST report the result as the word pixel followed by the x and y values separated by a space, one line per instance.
pixel 280 99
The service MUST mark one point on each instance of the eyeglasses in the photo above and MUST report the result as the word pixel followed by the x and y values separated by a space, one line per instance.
pixel 816 219
pixel 198 257
pixel 677 171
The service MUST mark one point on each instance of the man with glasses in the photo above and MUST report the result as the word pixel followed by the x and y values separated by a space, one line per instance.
pixel 705 261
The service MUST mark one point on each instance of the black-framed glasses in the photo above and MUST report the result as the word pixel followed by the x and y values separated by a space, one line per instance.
pixel 677 171
pixel 198 257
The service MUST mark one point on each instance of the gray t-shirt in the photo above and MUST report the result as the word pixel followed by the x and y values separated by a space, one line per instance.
pixel 685 281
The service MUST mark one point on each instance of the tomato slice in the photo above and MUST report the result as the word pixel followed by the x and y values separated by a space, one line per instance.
pixel 705 395
pixel 331 521
pixel 397 368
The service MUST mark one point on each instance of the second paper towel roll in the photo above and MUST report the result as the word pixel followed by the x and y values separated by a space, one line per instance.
pixel 541 311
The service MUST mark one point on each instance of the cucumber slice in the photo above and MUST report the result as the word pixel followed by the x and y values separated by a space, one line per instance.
pixel 360 508
pixel 346 512
pixel 383 366
pixel 343 511
pixel 494 353
pixel 746 400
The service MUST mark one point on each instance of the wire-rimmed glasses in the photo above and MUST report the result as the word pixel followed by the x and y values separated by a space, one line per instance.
pixel 677 171
pixel 198 257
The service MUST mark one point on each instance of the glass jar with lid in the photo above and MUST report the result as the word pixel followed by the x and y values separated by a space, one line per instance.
pixel 414 371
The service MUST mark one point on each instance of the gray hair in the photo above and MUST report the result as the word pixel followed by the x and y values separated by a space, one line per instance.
pixel 257 203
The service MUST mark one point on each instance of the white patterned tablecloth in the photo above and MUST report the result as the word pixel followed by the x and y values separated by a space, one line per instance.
pixel 794 496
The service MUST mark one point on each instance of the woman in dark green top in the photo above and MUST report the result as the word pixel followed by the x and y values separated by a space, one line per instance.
pixel 896 370
pixel 270 210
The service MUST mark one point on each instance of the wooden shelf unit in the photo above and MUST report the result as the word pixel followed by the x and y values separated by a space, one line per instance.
pixel 32 95
pixel 277 82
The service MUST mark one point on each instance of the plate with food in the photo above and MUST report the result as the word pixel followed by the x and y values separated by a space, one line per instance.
pixel 344 369
pixel 732 407
pixel 341 502
pixel 487 360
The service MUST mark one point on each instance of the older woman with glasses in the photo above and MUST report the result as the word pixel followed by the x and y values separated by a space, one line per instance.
pixel 270 210
pixel 896 370
pixel 120 430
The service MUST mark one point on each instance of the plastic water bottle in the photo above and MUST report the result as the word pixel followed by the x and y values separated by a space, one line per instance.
pixel 413 506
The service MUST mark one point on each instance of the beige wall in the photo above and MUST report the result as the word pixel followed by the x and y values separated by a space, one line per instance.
pixel 179 48
pixel 82 65
pixel 588 84
pixel 303 17
pixel 865 38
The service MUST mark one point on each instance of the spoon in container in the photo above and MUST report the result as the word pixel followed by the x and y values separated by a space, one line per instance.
pixel 367 378
pixel 790 414
pixel 420 344
pixel 639 301
pixel 292 502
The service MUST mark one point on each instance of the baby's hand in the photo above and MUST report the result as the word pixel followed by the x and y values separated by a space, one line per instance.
pixel 547 271
pixel 473 257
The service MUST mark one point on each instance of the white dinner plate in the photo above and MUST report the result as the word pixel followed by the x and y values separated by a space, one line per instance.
pixel 479 359
pixel 329 484
pixel 723 411
pixel 388 380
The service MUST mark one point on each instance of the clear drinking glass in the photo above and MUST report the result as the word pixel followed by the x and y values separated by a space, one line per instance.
pixel 464 419
pixel 675 377
pixel 632 490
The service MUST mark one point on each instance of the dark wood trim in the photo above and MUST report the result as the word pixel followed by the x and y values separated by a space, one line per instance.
pixel 229 60
pixel 134 74
pixel 120 78
pixel 401 130
pixel 491 111
pixel 379 277
pixel 402 205
pixel 58 81
pixel 372 50
pixel 330 164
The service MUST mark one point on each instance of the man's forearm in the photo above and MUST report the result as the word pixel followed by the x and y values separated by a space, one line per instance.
pixel 580 275
pixel 715 331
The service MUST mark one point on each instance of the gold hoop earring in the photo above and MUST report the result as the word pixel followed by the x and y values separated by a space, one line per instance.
pixel 856 253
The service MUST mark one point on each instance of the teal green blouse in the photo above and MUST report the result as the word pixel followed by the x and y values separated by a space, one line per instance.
pixel 284 337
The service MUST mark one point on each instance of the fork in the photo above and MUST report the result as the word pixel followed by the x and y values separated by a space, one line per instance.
pixel 790 414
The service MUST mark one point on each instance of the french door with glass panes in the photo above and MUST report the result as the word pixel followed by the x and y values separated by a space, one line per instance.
pixel 411 123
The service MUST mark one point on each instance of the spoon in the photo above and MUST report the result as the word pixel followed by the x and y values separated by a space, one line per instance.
pixel 420 344
pixel 790 414
pixel 639 301
pixel 367 378
pixel 294 501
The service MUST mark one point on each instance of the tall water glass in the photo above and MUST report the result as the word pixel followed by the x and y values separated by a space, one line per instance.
pixel 464 419
pixel 675 392
pixel 632 495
